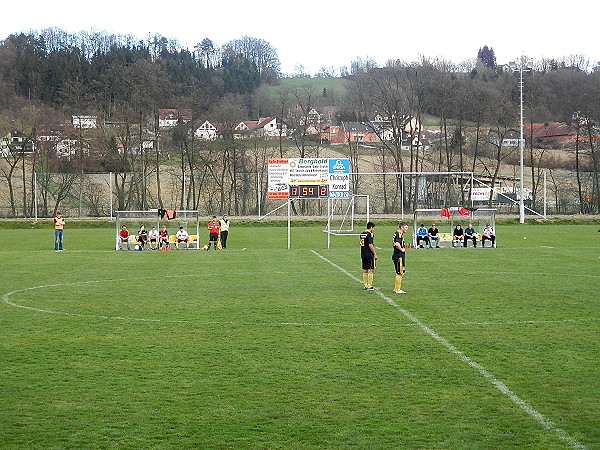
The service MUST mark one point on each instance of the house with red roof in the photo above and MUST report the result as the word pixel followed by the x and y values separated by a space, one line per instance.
pixel 209 131
pixel 549 132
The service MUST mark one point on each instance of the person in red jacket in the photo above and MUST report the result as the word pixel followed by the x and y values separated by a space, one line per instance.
pixel 124 238
pixel 213 232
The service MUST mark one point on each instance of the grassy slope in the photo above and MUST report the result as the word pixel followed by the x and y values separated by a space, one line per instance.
pixel 276 348
pixel 337 85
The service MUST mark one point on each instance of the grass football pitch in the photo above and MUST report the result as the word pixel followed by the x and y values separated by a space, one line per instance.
pixel 263 347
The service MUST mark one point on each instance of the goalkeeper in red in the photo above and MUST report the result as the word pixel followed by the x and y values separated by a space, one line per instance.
pixel 213 232
pixel 399 256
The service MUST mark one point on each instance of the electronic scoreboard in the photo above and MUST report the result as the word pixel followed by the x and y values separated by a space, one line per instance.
pixel 309 190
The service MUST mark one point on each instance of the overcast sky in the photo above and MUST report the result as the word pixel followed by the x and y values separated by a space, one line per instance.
pixel 335 32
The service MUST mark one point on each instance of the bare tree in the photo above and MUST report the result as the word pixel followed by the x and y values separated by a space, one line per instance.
pixel 207 50
pixel 261 52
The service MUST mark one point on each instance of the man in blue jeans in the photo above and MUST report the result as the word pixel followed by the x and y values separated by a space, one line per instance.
pixel 59 225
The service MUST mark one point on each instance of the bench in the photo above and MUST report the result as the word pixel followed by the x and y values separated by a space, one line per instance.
pixel 446 240
pixel 133 241
pixel 191 244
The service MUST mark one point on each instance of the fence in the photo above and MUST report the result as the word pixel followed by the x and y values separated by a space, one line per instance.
pixel 244 194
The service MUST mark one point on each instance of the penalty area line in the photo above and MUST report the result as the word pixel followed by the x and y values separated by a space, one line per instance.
pixel 539 417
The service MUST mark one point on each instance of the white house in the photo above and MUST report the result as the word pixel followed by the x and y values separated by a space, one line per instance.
pixel 272 127
pixel 267 127
pixel 172 117
pixel 66 148
pixel 510 138
pixel 207 131
pixel 85 121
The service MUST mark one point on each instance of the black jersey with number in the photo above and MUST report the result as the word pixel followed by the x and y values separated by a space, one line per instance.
pixel 365 238
pixel 398 237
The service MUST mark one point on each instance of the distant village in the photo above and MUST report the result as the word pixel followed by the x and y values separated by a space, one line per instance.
pixel 314 125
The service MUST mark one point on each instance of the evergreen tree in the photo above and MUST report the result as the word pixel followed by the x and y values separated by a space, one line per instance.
pixel 487 57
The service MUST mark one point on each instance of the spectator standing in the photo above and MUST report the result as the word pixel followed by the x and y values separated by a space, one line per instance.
pixel 59 226
pixel 224 222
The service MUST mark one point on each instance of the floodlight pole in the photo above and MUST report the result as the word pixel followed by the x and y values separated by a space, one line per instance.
pixel 522 151
pixel 35 195
pixel 289 222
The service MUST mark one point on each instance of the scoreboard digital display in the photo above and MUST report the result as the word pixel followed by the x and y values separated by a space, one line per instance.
pixel 309 191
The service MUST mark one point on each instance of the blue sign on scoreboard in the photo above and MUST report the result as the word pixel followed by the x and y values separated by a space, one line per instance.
pixel 339 178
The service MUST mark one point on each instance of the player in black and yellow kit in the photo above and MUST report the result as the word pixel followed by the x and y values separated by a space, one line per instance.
pixel 399 256
pixel 368 255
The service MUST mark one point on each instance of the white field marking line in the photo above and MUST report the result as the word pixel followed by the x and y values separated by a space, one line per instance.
pixel 7 295
pixel 541 419
pixel 6 299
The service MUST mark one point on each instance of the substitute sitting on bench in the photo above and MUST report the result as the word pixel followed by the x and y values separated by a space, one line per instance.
pixel 433 236
pixel 488 235
pixel 182 236
pixel 457 236
pixel 423 235
pixel 470 235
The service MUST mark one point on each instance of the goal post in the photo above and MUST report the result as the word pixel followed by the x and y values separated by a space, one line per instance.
pixel 343 215
pixel 173 219
pixel 347 217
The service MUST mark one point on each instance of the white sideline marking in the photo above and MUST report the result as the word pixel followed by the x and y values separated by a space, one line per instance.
pixel 542 420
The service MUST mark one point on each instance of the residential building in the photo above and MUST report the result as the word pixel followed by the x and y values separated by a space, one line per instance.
pixel 173 117
pixel 85 121
pixel 14 143
pixel 264 127
pixel 509 139
pixel 552 131
pixel 208 131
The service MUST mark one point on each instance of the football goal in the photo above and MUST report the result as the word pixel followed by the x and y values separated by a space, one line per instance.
pixel 347 216
pixel 172 219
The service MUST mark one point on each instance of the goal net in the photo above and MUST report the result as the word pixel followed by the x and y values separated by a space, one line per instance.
pixel 172 219
pixel 347 217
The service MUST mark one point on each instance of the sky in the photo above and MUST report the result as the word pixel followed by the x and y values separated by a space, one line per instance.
pixel 319 34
